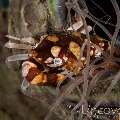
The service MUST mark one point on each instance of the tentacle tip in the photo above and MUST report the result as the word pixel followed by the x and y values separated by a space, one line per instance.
pixel 7 45
pixel 7 36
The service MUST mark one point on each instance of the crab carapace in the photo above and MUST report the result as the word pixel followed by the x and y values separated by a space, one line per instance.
pixel 57 53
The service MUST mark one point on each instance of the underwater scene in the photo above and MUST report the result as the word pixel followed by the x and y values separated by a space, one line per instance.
pixel 60 60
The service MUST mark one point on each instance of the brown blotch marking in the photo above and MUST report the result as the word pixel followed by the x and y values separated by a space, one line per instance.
pixel 32 73
pixel 34 53
pixel 52 79
pixel 77 34
pixel 71 62
pixel 53 38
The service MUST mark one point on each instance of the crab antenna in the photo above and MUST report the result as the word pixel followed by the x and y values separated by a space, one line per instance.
pixel 25 39
pixel 18 46
pixel 17 57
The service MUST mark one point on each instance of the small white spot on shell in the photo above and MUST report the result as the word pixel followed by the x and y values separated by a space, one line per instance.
pixel 97 53
pixel 49 60
pixel 83 58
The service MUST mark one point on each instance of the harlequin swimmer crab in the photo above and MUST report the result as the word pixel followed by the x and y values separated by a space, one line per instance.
pixel 51 55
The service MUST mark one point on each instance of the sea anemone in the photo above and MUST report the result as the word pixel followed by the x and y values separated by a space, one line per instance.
pixel 71 67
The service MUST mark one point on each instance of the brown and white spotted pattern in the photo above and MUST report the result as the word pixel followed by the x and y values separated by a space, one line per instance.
pixel 54 53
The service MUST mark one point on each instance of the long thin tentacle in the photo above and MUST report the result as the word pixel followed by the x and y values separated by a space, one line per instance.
pixel 18 57
pixel 24 40
pixel 18 46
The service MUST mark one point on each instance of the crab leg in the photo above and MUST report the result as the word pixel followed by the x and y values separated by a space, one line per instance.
pixel 18 46
pixel 18 57
pixel 24 40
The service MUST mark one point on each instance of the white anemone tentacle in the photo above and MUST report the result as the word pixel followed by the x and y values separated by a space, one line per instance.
pixel 18 57
pixel 18 46
pixel 89 29
pixel 29 40
pixel 79 25
pixel 76 25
